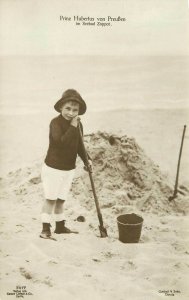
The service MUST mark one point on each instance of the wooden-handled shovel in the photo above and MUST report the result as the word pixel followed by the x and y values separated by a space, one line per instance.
pixel 103 231
pixel 178 167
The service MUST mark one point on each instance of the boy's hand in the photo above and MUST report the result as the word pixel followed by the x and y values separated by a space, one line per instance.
pixel 90 166
pixel 74 121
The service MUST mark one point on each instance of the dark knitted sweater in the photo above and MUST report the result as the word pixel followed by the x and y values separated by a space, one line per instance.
pixel 64 145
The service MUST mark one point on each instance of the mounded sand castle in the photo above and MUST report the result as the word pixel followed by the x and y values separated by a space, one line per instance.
pixel 125 176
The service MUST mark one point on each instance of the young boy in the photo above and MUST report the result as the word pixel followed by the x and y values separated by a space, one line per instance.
pixel 59 166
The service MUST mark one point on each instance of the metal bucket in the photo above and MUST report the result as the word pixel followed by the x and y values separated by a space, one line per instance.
pixel 130 227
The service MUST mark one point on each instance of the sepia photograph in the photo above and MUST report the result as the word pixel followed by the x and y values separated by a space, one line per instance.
pixel 94 152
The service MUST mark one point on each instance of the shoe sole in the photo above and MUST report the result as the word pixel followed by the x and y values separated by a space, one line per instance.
pixel 48 238
pixel 76 232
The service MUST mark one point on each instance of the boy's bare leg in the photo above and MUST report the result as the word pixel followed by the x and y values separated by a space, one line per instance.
pixel 48 206
pixel 58 209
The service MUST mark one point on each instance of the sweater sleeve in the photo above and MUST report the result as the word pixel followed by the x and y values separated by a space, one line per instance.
pixel 81 151
pixel 59 138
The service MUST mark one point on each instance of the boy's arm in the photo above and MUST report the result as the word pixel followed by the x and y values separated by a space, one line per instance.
pixel 81 152
pixel 58 137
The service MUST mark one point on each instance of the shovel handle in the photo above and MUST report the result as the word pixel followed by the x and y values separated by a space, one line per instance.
pixel 83 146
pixel 91 177
pixel 179 160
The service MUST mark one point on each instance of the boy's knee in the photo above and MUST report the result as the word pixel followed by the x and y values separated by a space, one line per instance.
pixel 60 201
pixel 50 202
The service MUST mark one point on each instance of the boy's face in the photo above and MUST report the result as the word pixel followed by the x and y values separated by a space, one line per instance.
pixel 70 110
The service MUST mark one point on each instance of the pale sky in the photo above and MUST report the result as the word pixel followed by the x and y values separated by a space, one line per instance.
pixel 152 27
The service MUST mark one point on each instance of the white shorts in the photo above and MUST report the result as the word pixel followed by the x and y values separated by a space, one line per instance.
pixel 56 183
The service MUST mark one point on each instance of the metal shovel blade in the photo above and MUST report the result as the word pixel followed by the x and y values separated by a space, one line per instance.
pixel 103 232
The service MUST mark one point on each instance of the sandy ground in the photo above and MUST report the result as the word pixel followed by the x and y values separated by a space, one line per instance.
pixel 85 266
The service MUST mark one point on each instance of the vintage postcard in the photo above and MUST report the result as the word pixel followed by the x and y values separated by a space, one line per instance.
pixel 94 165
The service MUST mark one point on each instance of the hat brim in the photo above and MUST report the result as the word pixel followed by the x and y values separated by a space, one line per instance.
pixel 82 104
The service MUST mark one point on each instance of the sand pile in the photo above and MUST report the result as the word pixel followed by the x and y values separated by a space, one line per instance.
pixel 125 178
